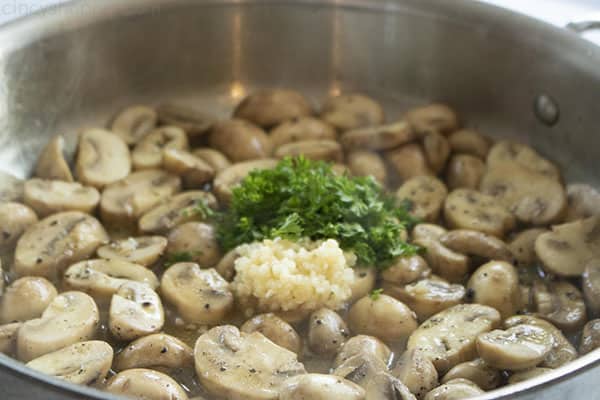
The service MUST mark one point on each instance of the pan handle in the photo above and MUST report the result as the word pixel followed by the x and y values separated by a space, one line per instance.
pixel 583 26
pixel 586 23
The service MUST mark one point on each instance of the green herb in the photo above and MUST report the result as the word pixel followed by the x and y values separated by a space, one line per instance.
pixel 174 258
pixel 200 209
pixel 304 198
pixel 405 207
pixel 374 295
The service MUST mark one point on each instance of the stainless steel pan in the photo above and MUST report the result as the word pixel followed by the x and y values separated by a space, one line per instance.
pixel 506 74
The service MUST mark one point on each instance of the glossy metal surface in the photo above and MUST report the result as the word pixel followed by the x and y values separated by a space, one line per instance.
pixel 75 65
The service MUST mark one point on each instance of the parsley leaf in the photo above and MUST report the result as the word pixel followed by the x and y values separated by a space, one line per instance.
pixel 200 209
pixel 174 258
pixel 374 295
pixel 304 198
pixel 405 206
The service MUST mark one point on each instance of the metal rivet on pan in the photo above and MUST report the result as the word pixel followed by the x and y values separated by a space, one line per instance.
pixel 546 109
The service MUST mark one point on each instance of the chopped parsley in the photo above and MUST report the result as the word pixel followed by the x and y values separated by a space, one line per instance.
pixel 374 295
pixel 405 207
pixel 199 209
pixel 303 198
pixel 174 258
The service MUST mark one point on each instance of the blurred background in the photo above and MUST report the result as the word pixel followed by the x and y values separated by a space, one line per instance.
pixel 556 12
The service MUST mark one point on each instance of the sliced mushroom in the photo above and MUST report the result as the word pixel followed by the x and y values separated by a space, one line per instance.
pixel 103 158
pixel 408 161
pixel 432 118
pixel 25 299
pixel 496 284
pixel 506 152
pixel 135 311
pixel 562 350
pixel 367 163
pixel 51 163
pixel 470 209
pixel 426 195
pixel 70 318
pixel 476 243
pixel 324 150
pixel 455 389
pixel 226 266
pixel 360 369
pixel 406 270
pixel 15 218
pixel 476 371
pixel 54 243
pixel 561 303
pixel 230 177
pixel 466 141
pixel 240 140
pixel 533 198
pixel 437 151
pixel 8 337
pixel 590 337
pixel 362 344
pixel 522 246
pixel 383 386
pixel 197 239
pixel 380 137
pixel 199 296
pixel 583 201
pixel 384 317
pixel 84 363
pixel 103 278
pixel 364 282
pixel 143 250
pixel 320 387
pixel 148 152
pixel 270 107
pixel 447 263
pixel 11 188
pixel 49 197
pixel 515 349
pixel 133 123
pixel 276 330
pixel 193 121
pixel 417 372
pixel 194 171
pixel 145 384
pixel 464 171
pixel 125 201
pixel 569 247
pixel 2 279
pixel 212 157
pixel 527 374
pixel 181 208
pixel 327 332
pixel 427 296
pixel 352 111
pixel 157 350
pixel 302 128
pixel 428 231
pixel 448 337
pixel 243 366
pixel 590 284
